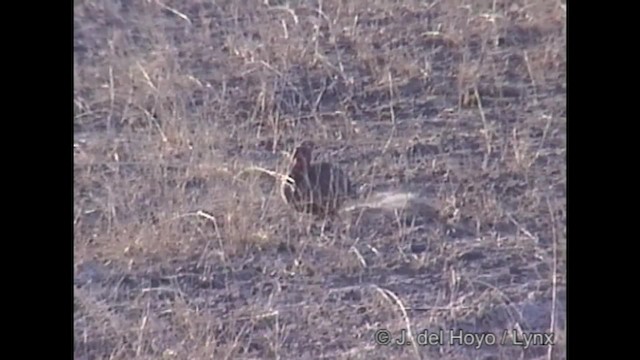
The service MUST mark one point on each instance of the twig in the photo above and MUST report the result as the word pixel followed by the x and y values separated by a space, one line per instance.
pixel 285 180
pixel 389 294
pixel 486 131
pixel 521 228
pixel 533 81
pixel 175 12
pixel 554 281
pixel 393 114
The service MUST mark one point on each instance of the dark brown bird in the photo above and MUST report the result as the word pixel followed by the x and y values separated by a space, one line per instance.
pixel 320 188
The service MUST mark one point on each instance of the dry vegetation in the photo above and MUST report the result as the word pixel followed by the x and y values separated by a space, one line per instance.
pixel 458 102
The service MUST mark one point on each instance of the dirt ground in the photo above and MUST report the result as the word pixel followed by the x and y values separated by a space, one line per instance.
pixel 449 116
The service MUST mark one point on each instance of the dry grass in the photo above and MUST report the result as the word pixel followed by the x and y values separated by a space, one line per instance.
pixel 450 114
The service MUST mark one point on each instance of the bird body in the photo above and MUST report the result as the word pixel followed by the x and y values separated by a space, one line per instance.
pixel 319 188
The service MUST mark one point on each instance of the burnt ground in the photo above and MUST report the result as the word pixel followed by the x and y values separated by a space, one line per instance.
pixel 181 254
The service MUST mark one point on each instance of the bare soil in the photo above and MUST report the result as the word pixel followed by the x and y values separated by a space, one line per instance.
pixel 449 115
